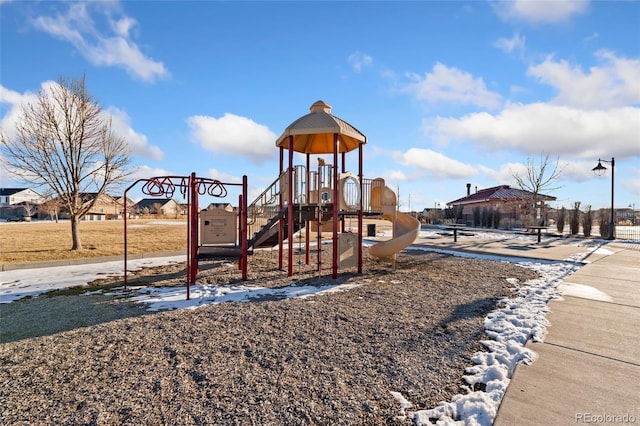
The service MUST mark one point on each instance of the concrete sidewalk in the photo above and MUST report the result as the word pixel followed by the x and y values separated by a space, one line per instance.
pixel 588 367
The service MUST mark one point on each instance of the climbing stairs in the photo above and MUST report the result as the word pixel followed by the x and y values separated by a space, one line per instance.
pixel 267 236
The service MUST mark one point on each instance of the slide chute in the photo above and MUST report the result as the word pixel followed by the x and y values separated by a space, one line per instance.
pixel 405 227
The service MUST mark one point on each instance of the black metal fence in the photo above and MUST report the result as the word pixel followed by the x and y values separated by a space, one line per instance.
pixel 627 226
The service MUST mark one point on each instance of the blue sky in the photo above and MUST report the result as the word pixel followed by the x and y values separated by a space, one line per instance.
pixel 447 93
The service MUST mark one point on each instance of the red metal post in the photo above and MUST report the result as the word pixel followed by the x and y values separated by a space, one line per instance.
pixel 335 205
pixel 125 238
pixel 360 207
pixel 319 217
pixel 193 232
pixel 243 233
pixel 239 230
pixel 280 206
pixel 306 222
pixel 188 277
pixel 290 209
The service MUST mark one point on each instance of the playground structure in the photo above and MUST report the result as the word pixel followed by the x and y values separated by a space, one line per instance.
pixel 300 198
pixel 190 187
pixel 331 193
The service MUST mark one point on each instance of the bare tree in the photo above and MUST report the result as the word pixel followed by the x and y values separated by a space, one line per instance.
pixel 539 177
pixel 29 210
pixel 65 142
pixel 50 207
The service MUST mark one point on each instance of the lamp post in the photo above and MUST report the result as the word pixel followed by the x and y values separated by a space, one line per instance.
pixel 599 170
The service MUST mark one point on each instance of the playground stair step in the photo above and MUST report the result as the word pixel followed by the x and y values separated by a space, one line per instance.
pixel 268 234
pixel 220 252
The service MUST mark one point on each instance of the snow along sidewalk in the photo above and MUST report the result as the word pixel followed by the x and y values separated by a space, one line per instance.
pixel 588 367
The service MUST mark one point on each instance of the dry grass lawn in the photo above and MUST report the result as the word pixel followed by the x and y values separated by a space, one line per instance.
pixel 26 242
pixel 40 241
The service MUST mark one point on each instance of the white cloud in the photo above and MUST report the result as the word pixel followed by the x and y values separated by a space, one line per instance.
pixel 120 121
pixel 616 82
pixel 539 11
pixel 578 171
pixel 14 101
pixel 233 135
pixel 121 125
pixel 540 127
pixel 9 96
pixel 146 172
pixel 591 38
pixel 223 177
pixel 358 60
pixel 434 164
pixel 123 26
pixel 445 84
pixel 102 47
pixel 504 174
pixel 633 186
pixel 397 176
pixel 514 44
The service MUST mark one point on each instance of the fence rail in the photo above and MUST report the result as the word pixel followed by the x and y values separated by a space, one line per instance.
pixel 628 232
pixel 627 225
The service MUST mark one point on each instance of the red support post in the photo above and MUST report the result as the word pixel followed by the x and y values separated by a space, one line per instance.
pixel 290 186
pixel 188 277
pixel 335 205
pixel 306 222
pixel 243 233
pixel 125 238
pixel 319 217
pixel 280 206
pixel 360 207
pixel 193 225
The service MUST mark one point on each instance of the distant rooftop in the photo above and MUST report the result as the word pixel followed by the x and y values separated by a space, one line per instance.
pixel 499 193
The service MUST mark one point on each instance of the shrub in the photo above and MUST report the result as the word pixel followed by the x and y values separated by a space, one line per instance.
pixel 587 221
pixel 562 215
pixel 497 217
pixel 604 217
pixel 574 222
pixel 477 216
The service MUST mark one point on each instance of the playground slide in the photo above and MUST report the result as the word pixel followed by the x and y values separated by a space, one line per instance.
pixel 406 229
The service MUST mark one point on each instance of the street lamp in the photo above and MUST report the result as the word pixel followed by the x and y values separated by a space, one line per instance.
pixel 599 171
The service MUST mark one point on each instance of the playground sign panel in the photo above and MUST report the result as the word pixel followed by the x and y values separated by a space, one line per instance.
pixel 218 226
pixel 348 249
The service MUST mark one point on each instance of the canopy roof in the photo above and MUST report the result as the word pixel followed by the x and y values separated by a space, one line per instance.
pixel 313 133
pixel 500 193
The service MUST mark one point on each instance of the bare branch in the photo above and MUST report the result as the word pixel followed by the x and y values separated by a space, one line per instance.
pixel 537 177
pixel 64 142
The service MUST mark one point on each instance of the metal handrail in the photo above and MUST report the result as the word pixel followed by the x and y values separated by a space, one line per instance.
pixel 266 205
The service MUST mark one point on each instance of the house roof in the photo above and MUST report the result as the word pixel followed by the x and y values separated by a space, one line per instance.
pixel 150 202
pixel 121 199
pixel 10 191
pixel 499 193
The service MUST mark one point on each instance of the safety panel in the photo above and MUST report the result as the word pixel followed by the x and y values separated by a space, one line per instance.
pixel 218 226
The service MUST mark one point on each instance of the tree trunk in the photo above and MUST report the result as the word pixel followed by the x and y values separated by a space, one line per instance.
pixel 75 234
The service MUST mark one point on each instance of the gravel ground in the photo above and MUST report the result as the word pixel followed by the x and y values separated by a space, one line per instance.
pixel 332 359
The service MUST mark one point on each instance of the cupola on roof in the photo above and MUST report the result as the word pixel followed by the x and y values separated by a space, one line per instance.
pixel 313 133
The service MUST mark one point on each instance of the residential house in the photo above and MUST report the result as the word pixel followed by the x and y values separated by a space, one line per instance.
pixel 121 202
pixel 11 196
pixel 505 206
pixel 19 202
pixel 104 207
pixel 163 206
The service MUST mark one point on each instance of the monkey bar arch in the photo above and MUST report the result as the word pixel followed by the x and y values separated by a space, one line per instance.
pixel 190 187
